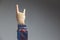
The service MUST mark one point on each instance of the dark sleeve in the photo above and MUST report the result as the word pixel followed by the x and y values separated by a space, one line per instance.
pixel 22 33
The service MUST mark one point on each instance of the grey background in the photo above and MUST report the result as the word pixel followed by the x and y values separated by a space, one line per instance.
pixel 42 19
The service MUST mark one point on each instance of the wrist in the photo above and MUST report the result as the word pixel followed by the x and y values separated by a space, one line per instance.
pixel 21 23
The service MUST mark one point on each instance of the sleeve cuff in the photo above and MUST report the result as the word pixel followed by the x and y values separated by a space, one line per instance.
pixel 21 26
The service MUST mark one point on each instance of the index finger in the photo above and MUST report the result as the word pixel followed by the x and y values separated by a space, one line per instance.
pixel 17 9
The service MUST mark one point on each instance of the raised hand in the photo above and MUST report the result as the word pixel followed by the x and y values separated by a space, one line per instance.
pixel 20 16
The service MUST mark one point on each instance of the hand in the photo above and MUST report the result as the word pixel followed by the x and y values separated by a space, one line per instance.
pixel 20 16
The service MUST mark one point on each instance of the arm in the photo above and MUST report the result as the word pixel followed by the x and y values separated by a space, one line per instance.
pixel 22 30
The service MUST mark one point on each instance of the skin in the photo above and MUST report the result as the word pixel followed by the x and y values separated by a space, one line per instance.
pixel 20 16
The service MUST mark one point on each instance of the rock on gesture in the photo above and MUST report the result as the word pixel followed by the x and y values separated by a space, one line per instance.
pixel 20 16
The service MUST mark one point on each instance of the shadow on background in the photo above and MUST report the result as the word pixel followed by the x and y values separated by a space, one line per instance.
pixel 0 1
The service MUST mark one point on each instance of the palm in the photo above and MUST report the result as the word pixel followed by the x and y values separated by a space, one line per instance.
pixel 20 15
